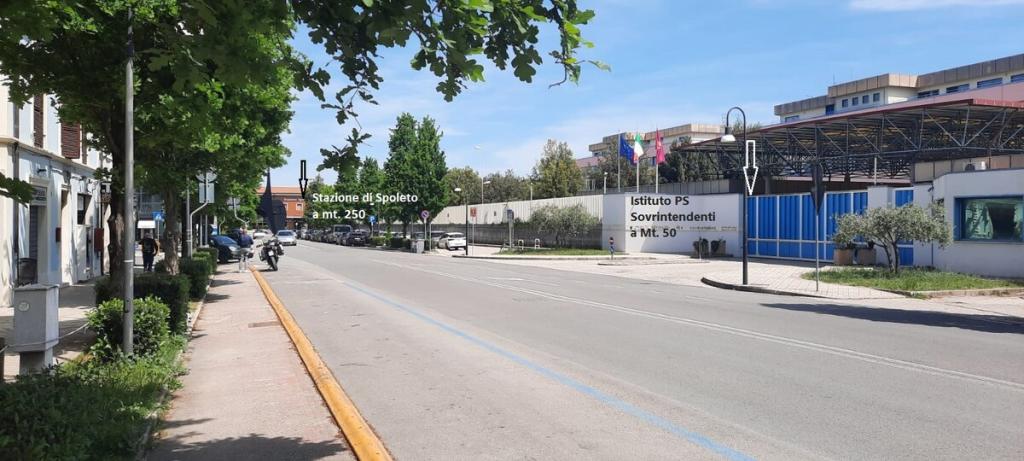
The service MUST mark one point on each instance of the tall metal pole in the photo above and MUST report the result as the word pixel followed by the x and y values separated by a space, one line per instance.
pixel 465 198
pixel 188 218
pixel 743 208
pixel 128 325
pixel 605 183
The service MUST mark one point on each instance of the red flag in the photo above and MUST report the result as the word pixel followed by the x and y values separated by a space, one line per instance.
pixel 659 148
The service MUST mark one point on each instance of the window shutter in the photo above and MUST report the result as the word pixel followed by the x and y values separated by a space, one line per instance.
pixel 70 141
pixel 37 120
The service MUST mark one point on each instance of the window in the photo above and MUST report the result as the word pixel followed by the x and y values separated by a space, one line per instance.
pixel 927 94
pixel 864 99
pixel 846 102
pixel 876 97
pixel 830 109
pixel 856 101
pixel 1017 78
pixel 16 121
pixel 990 82
pixel 791 118
pixel 298 205
pixel 990 218
pixel 958 88
pixel 83 207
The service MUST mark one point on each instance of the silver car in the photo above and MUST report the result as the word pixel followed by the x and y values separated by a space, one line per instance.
pixel 286 237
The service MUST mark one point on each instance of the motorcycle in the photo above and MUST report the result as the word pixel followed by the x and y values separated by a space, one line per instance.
pixel 271 253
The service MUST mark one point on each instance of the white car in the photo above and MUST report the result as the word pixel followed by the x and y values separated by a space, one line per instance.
pixel 286 237
pixel 452 241
pixel 259 234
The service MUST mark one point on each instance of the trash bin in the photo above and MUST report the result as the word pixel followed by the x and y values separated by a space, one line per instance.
pixel 417 246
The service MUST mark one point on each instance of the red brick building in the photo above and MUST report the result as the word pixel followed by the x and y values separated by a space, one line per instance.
pixel 294 205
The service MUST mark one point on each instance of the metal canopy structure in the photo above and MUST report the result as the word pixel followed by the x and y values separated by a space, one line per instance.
pixel 884 140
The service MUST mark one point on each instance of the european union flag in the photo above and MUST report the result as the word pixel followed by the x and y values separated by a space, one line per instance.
pixel 625 149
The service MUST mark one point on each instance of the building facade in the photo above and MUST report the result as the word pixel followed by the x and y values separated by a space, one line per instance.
pixel 893 88
pixel 59 237
pixel 294 204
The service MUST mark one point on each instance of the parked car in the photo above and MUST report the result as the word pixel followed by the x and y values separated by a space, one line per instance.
pixel 227 248
pixel 357 238
pixel 435 237
pixel 452 241
pixel 286 237
pixel 342 237
pixel 260 234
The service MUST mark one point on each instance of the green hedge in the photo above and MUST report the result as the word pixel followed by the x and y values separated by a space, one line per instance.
pixel 88 409
pixel 397 242
pixel 379 240
pixel 213 254
pixel 149 327
pixel 198 272
pixel 172 290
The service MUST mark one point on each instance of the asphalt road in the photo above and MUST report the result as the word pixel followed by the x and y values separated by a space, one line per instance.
pixel 460 359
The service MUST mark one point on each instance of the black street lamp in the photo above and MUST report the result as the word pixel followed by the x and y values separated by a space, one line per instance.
pixel 743 213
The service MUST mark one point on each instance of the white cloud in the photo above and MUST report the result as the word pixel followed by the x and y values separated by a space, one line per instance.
pixel 910 5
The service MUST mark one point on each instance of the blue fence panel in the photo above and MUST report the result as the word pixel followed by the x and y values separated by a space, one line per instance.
pixel 838 205
pixel 906 256
pixel 789 217
pixel 860 202
pixel 766 217
pixel 806 218
pixel 767 248
pixel 904 197
pixel 789 250
pixel 752 217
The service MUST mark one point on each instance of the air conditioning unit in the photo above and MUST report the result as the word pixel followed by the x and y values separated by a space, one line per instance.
pixel 975 166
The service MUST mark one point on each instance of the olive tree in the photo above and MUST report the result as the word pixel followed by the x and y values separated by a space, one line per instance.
pixel 564 222
pixel 887 226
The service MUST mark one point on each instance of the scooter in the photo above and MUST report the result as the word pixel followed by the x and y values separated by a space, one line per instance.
pixel 271 253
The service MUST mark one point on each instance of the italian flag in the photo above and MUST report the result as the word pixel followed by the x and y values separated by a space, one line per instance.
pixel 638 148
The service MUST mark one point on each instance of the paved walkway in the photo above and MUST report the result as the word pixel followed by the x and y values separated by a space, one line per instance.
pixel 247 394
pixel 75 302
pixel 782 276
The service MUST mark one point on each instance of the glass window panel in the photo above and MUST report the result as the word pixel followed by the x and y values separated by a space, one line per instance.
pixel 995 218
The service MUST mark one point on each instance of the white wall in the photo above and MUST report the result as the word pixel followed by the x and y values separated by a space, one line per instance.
pixel 670 236
pixel 1003 259
pixel 494 213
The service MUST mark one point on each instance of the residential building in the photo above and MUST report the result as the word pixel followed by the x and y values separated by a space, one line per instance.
pixel 891 88
pixel 294 204
pixel 59 237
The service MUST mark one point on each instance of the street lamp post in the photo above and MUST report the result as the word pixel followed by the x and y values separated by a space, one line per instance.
pixel 465 200
pixel 605 191
pixel 743 208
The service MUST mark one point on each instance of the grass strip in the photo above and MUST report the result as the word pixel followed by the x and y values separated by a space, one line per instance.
pixel 911 279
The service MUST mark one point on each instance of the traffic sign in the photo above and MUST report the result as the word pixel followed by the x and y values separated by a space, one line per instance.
pixel 209 176
pixel 373 220
pixel 158 216
pixel 750 165
pixel 472 212
pixel 510 214
pixel 234 203
pixel 425 214
pixel 818 190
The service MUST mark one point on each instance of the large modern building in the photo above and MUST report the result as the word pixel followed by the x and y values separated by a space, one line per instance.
pixel 60 236
pixel 893 88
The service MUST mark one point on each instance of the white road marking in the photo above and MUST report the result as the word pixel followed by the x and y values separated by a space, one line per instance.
pixel 793 342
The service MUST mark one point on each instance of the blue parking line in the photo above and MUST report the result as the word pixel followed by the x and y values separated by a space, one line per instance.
pixel 614 402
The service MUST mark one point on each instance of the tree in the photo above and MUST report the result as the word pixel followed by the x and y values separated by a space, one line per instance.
pixel 429 166
pixel 506 187
pixel 621 169
pixel 372 181
pixel 16 189
pixel 556 173
pixel 564 222
pixel 887 226
pixel 398 167
pixel 468 180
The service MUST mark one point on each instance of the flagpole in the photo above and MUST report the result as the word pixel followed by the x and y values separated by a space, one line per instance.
pixel 618 172
pixel 656 173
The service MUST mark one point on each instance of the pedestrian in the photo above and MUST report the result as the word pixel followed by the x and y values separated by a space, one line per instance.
pixel 150 246
pixel 611 247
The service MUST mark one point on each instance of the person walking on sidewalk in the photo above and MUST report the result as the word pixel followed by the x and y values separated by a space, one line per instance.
pixel 150 246
pixel 245 242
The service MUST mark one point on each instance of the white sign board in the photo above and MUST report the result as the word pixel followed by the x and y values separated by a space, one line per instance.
pixel 662 223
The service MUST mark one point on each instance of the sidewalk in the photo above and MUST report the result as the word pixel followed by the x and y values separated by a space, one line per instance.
pixel 75 302
pixel 781 277
pixel 246 394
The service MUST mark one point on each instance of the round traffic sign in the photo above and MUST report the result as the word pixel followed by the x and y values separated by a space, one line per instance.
pixel 425 214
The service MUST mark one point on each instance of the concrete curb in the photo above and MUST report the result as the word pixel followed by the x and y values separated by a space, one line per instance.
pixel 756 289
pixel 365 444
pixel 976 292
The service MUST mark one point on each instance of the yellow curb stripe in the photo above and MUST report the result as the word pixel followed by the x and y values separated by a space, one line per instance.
pixel 364 442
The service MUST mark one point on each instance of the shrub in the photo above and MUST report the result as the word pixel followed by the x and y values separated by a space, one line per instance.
pixel 85 409
pixel 214 257
pixel 397 243
pixel 888 226
pixel 204 257
pixel 149 327
pixel 564 222
pixel 379 240
pixel 172 290
pixel 160 267
pixel 198 272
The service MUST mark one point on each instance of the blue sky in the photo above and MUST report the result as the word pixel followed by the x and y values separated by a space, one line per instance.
pixel 673 62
